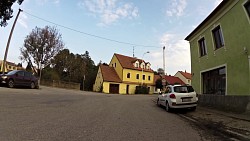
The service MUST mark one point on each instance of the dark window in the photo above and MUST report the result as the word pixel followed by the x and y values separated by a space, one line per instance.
pixel 115 64
pixel 214 81
pixel 128 75
pixel 218 38
pixel 148 77
pixel 20 73
pixel 247 6
pixel 27 74
pixel 183 89
pixel 143 77
pixel 202 45
pixel 137 76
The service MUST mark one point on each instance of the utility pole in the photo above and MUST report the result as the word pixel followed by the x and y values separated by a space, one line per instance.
pixel 8 43
pixel 164 59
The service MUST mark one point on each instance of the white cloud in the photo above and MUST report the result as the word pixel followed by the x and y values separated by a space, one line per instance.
pixel 110 11
pixel 177 8
pixel 177 54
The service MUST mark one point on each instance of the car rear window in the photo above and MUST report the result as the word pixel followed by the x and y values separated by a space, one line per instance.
pixel 183 89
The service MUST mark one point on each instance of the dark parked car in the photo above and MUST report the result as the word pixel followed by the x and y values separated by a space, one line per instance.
pixel 19 78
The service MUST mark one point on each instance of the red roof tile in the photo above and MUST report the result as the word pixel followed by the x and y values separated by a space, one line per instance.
pixel 186 74
pixel 170 79
pixel 109 74
pixel 127 62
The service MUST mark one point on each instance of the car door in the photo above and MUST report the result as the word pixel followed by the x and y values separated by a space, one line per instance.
pixel 19 78
pixel 27 78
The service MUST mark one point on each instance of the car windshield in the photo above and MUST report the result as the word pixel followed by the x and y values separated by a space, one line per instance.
pixel 12 72
pixel 183 89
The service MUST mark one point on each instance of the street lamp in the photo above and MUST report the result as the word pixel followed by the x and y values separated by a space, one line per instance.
pixel 143 67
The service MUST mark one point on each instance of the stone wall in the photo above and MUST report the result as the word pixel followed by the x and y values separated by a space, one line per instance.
pixel 237 104
pixel 61 84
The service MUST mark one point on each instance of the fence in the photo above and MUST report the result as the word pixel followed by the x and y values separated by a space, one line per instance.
pixel 60 84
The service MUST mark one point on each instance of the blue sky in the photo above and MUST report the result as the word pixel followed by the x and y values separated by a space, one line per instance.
pixel 150 23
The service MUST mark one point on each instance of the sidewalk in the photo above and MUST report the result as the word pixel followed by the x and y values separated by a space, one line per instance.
pixel 234 125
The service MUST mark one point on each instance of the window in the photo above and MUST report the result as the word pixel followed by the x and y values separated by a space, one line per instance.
pixel 218 38
pixel 137 76
pixel 128 75
pixel 143 77
pixel 247 7
pixel 148 77
pixel 202 46
pixel 20 73
pixel 115 65
pixel 214 81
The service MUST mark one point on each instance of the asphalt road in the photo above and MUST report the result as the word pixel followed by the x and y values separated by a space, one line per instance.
pixel 51 114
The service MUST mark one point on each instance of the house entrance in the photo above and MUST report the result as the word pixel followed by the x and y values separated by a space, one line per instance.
pixel 114 88
pixel 127 90
pixel 214 81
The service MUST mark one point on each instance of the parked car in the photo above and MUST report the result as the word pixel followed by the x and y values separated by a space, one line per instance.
pixel 19 78
pixel 178 96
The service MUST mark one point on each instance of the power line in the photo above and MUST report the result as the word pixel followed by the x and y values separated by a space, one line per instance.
pixel 92 35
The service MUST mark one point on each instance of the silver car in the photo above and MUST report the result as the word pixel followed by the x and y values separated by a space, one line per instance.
pixel 178 96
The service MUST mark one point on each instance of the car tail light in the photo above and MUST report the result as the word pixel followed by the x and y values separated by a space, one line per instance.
pixel 172 96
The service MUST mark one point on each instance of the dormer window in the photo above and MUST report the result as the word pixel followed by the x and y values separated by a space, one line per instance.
pixel 148 66
pixel 143 65
pixel 136 64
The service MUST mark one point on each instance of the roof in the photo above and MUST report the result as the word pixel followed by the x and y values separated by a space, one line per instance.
pixel 215 11
pixel 186 74
pixel 109 74
pixel 127 62
pixel 170 79
pixel 8 63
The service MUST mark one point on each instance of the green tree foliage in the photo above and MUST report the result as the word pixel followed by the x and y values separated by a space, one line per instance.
pixel 6 11
pixel 91 71
pixel 158 83
pixel 75 68
pixel 41 45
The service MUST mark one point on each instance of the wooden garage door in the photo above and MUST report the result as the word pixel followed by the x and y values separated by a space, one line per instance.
pixel 114 88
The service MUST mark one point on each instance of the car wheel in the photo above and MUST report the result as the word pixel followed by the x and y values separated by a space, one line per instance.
pixel 32 85
pixel 11 83
pixel 168 109
pixel 193 108
pixel 157 102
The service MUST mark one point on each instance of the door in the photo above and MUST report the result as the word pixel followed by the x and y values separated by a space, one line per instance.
pixel 114 88
pixel 127 90
pixel 19 78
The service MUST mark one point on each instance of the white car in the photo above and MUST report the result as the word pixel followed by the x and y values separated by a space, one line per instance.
pixel 178 96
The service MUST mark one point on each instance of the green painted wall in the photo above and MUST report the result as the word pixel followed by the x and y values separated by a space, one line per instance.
pixel 235 25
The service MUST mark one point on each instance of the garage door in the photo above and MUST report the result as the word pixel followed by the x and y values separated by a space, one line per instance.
pixel 114 88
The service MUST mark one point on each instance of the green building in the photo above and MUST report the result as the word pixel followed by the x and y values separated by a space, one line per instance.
pixel 220 50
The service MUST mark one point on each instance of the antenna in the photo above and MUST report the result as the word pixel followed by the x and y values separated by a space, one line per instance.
pixel 133 51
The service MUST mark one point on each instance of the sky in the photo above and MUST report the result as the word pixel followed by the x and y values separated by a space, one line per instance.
pixel 105 27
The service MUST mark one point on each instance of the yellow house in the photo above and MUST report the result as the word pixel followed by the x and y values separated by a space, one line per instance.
pixel 9 66
pixel 123 75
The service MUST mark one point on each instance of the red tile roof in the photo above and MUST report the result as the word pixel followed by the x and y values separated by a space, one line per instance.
pixel 127 62
pixel 109 74
pixel 170 79
pixel 186 74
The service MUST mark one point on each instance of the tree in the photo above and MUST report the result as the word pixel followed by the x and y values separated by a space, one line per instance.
pixel 41 45
pixel 160 71
pixel 6 10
